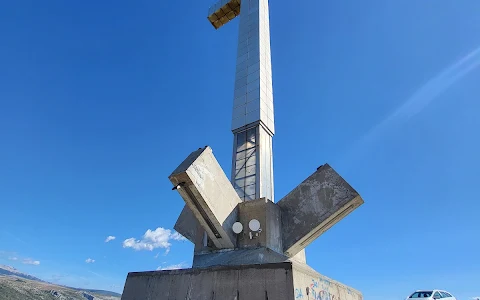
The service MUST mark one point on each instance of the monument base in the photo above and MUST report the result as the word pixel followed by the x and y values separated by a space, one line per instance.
pixel 275 281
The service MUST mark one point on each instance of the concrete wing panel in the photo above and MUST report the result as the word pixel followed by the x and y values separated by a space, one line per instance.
pixel 209 195
pixel 314 206
pixel 187 224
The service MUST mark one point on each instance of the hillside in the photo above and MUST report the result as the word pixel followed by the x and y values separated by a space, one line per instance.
pixel 14 288
pixel 10 271
pixel 15 285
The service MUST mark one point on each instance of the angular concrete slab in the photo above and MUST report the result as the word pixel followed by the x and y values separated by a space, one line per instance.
pixel 187 224
pixel 314 206
pixel 210 196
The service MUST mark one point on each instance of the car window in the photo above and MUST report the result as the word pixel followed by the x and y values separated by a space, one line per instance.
pixel 448 294
pixel 437 295
pixel 444 295
pixel 422 294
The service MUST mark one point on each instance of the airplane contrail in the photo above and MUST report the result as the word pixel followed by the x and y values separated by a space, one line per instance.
pixel 423 97
pixel 438 84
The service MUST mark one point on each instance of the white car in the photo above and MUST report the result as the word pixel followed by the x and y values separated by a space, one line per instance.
pixel 431 294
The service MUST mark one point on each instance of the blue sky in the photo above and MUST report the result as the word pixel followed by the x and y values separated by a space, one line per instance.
pixel 100 101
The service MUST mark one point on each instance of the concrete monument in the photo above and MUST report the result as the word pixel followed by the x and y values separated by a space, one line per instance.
pixel 246 245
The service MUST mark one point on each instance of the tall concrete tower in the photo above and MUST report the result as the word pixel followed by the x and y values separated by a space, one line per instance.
pixel 253 115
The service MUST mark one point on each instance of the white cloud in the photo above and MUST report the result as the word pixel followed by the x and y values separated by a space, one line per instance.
pixel 89 261
pixel 29 261
pixel 166 252
pixel 109 238
pixel 20 258
pixel 173 267
pixel 159 238
pixel 178 237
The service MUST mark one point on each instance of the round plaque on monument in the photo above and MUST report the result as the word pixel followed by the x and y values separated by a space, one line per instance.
pixel 237 227
pixel 254 225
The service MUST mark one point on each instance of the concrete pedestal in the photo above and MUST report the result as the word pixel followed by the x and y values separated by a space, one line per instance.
pixel 275 281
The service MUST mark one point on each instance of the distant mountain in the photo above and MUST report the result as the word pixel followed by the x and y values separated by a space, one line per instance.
pixel 15 285
pixel 11 271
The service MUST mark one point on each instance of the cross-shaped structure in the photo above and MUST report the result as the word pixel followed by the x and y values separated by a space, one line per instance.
pixel 236 222
pixel 212 209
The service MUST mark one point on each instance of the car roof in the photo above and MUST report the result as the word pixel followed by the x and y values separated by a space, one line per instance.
pixel 433 290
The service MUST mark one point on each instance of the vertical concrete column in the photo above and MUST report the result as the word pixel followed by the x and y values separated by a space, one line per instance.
pixel 253 118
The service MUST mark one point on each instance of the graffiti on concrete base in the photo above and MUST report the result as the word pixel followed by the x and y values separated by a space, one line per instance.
pixel 319 290
pixel 298 294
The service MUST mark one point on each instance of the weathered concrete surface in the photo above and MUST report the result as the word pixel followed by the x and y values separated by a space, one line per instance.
pixel 300 257
pixel 238 257
pixel 209 195
pixel 273 281
pixel 270 218
pixel 187 224
pixel 252 282
pixel 314 206
pixel 310 285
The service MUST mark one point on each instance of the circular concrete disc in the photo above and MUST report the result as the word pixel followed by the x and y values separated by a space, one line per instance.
pixel 237 227
pixel 254 225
